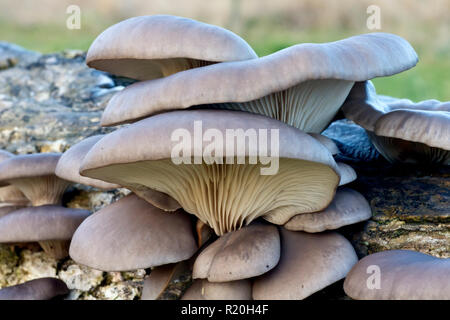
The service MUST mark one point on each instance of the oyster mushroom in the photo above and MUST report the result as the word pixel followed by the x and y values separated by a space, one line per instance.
pixel 401 130
pixel 204 290
pixel 303 85
pixel 399 275
pixel 348 207
pixel 149 47
pixel 52 226
pixel 132 234
pixel 223 195
pixel 37 289
pixel 346 172
pixel 308 263
pixel 327 142
pixel 242 254
pixel 34 175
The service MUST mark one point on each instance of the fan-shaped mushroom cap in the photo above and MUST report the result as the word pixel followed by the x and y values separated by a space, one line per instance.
pixel 161 277
pixel 131 234
pixel 245 253
pixel 37 289
pixel 205 290
pixel 149 47
pixel 41 223
pixel 309 263
pixel 399 275
pixel 68 166
pixel 348 207
pixel 34 175
pixel 303 85
pixel 402 131
pixel 225 196
pixel 327 142
pixel 346 172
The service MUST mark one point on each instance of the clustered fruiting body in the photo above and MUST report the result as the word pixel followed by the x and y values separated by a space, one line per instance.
pixel 242 234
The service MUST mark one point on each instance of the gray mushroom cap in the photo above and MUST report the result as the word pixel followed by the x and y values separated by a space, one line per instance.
pixel 401 130
pixel 308 263
pixel 131 234
pixel 4 210
pixel 205 290
pixel 34 175
pixel 68 166
pixel 149 47
pixel 346 172
pixel 245 253
pixel 3 156
pixel 348 207
pixel 303 85
pixel 41 223
pixel 403 275
pixel 37 289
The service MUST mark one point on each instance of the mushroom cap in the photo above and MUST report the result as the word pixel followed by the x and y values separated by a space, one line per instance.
pixel 68 166
pixel 327 142
pixel 3 156
pixel 348 207
pixel 309 263
pixel 41 223
pixel 337 64
pixel 404 275
pixel 139 47
pixel 306 167
pixel 160 278
pixel 202 289
pixel 37 289
pixel 4 210
pixel 399 126
pixel 346 172
pixel 132 234
pixel 245 253
pixel 28 166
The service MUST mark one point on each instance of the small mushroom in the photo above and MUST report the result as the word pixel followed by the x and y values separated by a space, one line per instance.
pixel 346 172
pixel 132 234
pixel 245 253
pixel 399 275
pixel 68 166
pixel 303 85
pixel 52 226
pixel 161 277
pixel 205 290
pixel 37 289
pixel 348 207
pixel 308 263
pixel 149 47
pixel 225 196
pixel 34 175
pixel 402 131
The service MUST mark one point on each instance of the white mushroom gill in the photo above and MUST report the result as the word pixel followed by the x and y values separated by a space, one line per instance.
pixel 229 196
pixel 308 106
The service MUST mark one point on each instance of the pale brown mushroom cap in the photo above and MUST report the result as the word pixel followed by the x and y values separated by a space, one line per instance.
pixel 41 223
pixel 68 166
pixel 205 290
pixel 306 168
pixel 309 263
pixel 303 85
pixel 34 175
pixel 132 234
pixel 403 275
pixel 401 130
pixel 348 207
pixel 37 289
pixel 149 47
pixel 245 253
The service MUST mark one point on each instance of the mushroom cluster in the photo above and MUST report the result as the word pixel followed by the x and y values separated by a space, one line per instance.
pixel 206 207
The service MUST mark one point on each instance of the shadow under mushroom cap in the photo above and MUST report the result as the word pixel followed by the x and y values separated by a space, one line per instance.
pixel 225 196
pixel 177 44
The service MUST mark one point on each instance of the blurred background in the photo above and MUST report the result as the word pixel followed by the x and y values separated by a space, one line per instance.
pixel 268 26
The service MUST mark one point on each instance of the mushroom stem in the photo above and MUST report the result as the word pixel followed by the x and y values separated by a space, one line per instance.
pixel 57 249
